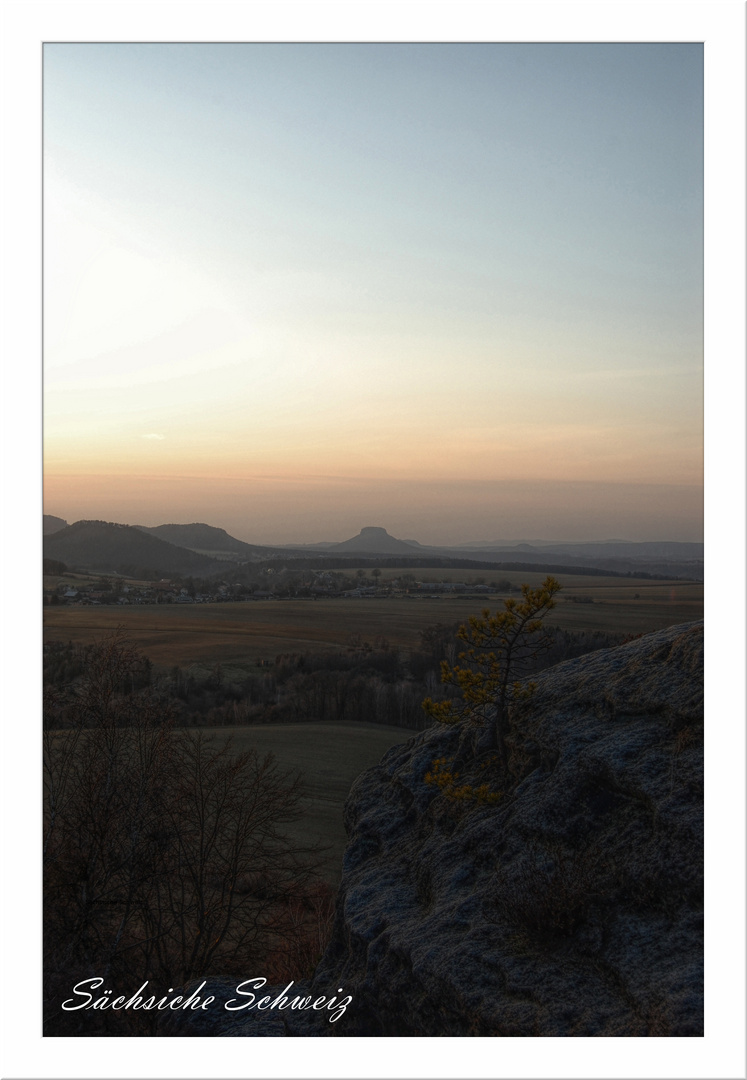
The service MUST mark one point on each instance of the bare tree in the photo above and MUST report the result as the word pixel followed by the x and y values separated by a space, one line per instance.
pixel 166 856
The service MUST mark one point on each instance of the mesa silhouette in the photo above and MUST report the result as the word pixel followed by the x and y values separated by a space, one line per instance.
pixel 373 540
pixel 202 549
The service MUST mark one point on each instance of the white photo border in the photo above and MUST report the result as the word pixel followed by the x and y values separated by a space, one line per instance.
pixel 721 26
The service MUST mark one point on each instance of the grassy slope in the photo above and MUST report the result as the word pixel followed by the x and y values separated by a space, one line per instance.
pixel 330 757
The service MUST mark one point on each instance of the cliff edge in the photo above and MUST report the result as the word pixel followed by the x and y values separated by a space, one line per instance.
pixel 571 907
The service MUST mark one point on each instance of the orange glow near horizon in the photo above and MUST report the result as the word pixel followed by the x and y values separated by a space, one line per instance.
pixel 508 450
pixel 284 289
pixel 310 509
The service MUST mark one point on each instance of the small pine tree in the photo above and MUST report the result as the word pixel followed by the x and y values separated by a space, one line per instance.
pixel 489 673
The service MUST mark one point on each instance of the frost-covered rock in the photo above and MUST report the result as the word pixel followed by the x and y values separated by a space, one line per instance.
pixel 572 907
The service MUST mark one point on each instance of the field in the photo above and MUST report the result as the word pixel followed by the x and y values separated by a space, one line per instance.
pixel 239 634
pixel 330 757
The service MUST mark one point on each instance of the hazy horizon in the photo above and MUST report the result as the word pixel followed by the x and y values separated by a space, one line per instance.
pixel 436 532
pixel 455 290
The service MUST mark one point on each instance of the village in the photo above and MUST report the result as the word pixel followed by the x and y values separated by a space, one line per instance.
pixel 83 589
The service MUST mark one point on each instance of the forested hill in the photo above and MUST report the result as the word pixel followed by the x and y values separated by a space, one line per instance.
pixel 53 524
pixel 125 549
pixel 205 538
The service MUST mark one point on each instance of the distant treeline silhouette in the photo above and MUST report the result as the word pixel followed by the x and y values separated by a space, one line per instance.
pixel 369 682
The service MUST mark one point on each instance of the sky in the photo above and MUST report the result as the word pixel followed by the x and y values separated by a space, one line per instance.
pixel 454 290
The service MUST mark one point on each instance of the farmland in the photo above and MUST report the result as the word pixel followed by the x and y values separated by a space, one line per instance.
pixel 237 635
pixel 242 633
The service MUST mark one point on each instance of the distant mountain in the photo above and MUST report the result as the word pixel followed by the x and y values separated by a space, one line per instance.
pixel 662 558
pixel 632 549
pixel 105 546
pixel 202 549
pixel 665 558
pixel 203 538
pixel 53 524
pixel 374 540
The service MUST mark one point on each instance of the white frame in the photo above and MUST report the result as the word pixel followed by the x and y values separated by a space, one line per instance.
pixel 720 24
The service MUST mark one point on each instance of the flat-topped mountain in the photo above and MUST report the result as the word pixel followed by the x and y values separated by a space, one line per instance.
pixel 668 558
pixel 376 541
pixel 662 558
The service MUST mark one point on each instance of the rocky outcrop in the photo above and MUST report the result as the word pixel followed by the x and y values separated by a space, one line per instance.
pixel 570 907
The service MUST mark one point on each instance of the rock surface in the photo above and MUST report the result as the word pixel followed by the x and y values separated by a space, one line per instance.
pixel 571 907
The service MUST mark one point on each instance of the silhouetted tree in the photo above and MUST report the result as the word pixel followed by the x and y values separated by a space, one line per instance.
pixel 501 649
pixel 165 856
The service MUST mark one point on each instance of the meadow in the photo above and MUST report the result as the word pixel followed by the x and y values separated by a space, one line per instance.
pixel 329 757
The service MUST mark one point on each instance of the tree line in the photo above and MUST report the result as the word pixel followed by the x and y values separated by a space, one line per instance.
pixel 371 682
